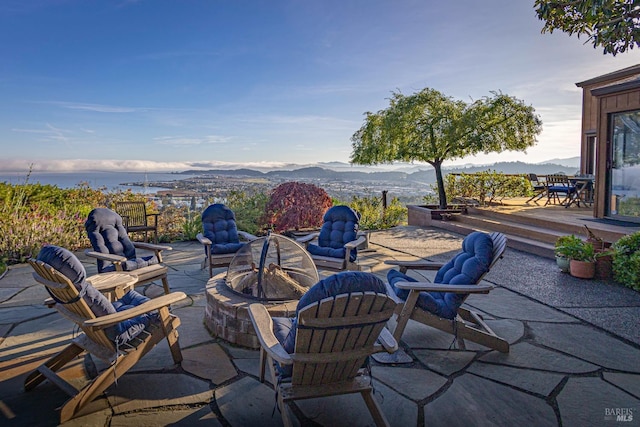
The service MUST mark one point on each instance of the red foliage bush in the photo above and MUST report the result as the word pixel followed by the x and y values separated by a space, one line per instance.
pixel 295 206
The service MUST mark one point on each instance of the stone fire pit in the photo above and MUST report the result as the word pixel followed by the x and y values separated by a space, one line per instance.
pixel 274 271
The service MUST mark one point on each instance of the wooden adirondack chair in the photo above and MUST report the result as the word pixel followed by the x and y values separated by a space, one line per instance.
pixel 334 337
pixel 71 305
pixel 465 324
pixel 136 219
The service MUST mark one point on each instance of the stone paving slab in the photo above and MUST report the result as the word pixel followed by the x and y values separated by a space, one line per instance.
pixel 208 361
pixel 414 383
pixel 247 402
pixel 398 410
pixel 474 401
pixel 199 416
pixel 351 410
pixel 191 332
pixel 585 401
pixel 445 362
pixel 628 382
pixel 526 355
pixel 534 381
pixel 503 303
pixel 589 344
pixel 45 334
pixel 134 392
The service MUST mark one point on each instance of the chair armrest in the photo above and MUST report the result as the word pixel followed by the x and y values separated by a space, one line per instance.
pixel 113 284
pixel 149 306
pixel 204 240
pixel 355 243
pixel 263 326
pixel 306 239
pixel 416 265
pixel 247 236
pixel 152 246
pixel 386 340
pixel 442 287
pixel 116 259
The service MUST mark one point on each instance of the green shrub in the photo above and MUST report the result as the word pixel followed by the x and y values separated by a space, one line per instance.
pixel 486 187
pixel 374 217
pixel 192 225
pixel 249 211
pixel 626 260
pixel 32 215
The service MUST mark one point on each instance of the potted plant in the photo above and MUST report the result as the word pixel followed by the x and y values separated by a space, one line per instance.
pixel 564 248
pixel 582 262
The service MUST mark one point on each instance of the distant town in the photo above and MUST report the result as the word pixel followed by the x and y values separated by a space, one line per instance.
pixel 408 187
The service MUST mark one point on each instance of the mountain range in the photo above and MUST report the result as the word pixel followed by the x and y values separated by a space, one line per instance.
pixel 425 174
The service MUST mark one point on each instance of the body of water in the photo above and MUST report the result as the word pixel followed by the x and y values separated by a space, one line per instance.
pixel 112 181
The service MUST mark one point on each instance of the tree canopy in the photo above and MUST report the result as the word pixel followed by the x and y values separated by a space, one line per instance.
pixel 431 127
pixel 611 24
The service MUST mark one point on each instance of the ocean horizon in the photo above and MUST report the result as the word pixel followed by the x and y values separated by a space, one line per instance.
pixel 111 181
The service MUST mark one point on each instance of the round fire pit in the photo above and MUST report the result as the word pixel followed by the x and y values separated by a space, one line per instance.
pixel 273 270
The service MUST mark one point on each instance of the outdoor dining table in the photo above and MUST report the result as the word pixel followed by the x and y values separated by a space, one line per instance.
pixel 583 191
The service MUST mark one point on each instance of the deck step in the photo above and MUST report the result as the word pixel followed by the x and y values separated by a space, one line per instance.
pixel 514 241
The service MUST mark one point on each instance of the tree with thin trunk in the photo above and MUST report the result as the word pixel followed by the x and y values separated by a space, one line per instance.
pixel 431 127
pixel 611 24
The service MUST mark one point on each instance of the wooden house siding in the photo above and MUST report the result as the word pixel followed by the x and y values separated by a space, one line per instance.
pixel 615 92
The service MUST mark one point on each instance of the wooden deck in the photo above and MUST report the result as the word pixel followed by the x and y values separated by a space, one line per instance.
pixel 535 228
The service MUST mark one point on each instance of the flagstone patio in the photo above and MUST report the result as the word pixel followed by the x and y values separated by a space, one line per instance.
pixel 574 358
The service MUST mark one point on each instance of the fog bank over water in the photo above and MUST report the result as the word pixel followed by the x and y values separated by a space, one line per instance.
pixel 17 168
pixel 109 181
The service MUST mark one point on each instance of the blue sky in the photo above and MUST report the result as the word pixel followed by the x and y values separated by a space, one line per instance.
pixel 171 85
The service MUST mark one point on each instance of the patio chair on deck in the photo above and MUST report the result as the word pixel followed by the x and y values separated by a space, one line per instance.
pixel 339 322
pixel 220 236
pixel 439 304
pixel 115 252
pixel 338 240
pixel 118 333
pixel 136 219
pixel 539 188
pixel 559 189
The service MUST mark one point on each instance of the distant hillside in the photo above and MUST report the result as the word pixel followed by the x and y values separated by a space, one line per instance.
pixel 423 176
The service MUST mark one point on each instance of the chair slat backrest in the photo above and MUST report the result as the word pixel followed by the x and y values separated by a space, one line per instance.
pixel 557 180
pixel 134 214
pixel 499 246
pixel 63 289
pixel 336 335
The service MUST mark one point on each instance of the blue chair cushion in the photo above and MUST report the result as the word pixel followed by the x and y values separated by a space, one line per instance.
pixel 328 251
pixel 219 226
pixel 108 236
pixel 339 227
pixel 561 189
pixel 227 248
pixel 340 283
pixel 70 266
pixel 466 268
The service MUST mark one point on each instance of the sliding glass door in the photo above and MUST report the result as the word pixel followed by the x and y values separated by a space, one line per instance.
pixel 624 178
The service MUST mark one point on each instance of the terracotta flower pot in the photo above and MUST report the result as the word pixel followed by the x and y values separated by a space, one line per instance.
pixel 582 269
